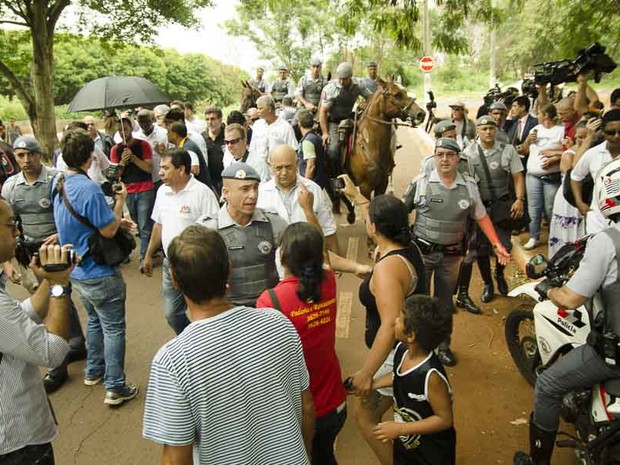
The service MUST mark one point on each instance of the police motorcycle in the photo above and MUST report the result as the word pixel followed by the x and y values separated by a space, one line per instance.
pixel 538 333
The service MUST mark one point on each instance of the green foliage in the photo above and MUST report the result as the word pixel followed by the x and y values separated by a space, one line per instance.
pixel 78 60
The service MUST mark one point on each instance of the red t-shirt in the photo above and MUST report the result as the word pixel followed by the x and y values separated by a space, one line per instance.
pixel 147 154
pixel 316 325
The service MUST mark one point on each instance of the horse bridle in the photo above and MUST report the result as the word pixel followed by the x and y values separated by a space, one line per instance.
pixel 392 123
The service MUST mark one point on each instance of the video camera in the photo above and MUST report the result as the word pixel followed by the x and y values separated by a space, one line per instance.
pixel 591 61
pixel 111 185
pixel 495 94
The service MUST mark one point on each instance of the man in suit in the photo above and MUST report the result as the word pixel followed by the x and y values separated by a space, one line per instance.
pixel 520 125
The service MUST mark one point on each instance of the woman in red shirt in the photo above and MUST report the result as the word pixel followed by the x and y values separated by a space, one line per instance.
pixel 307 296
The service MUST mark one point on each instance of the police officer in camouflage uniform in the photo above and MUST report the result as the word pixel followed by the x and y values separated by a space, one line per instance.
pixel 28 193
pixel 506 171
pixel 251 235
pixel 445 201
pixel 337 101
pixel 370 81
pixel 282 86
pixel 310 86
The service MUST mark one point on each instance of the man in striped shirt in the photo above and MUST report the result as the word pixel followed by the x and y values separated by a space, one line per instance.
pixel 32 333
pixel 233 387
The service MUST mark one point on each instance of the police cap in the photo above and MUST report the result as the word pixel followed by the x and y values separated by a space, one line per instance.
pixel 316 61
pixel 241 171
pixel 344 70
pixel 443 126
pixel 29 143
pixel 485 120
pixel 372 64
pixel 447 143
pixel 498 106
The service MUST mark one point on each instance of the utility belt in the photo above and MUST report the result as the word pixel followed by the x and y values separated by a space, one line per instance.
pixel 504 198
pixel 427 247
pixel 607 345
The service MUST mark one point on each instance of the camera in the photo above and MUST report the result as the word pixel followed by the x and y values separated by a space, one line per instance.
pixel 337 183
pixel 591 61
pixel 495 94
pixel 50 268
pixel 112 185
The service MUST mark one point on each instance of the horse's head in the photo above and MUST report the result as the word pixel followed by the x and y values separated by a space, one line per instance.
pixel 397 104
pixel 248 96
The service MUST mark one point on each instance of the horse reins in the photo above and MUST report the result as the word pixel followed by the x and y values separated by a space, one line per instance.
pixel 389 123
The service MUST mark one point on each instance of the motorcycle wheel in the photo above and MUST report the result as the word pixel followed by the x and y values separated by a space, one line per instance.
pixel 521 340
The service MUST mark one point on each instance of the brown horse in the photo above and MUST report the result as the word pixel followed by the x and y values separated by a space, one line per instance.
pixel 371 160
pixel 249 96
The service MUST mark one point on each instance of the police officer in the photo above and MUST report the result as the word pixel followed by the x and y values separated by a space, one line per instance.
pixel 337 101
pixel 259 82
pixel 585 365
pixel 28 193
pixel 444 201
pixel 506 173
pixel 310 86
pixel 370 81
pixel 499 112
pixel 282 86
pixel 445 128
pixel 251 234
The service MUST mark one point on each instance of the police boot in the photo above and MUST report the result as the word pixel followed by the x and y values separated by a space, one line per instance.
pixel 502 285
pixel 487 292
pixel 464 301
pixel 541 447
pixel 55 378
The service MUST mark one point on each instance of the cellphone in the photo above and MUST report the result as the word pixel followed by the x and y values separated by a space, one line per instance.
pixel 337 183
pixel 348 384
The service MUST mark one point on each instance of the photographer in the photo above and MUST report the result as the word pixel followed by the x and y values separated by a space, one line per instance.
pixel 101 287
pixel 32 333
pixel 28 193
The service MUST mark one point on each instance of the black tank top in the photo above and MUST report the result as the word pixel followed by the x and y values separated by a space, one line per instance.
pixel 373 321
pixel 411 404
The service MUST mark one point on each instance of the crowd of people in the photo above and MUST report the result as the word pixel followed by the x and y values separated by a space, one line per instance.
pixel 241 214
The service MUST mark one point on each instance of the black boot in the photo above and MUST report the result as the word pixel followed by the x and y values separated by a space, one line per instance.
pixel 502 285
pixel 541 447
pixel 487 292
pixel 464 301
pixel 55 378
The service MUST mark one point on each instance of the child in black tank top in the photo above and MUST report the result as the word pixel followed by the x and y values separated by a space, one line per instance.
pixel 423 431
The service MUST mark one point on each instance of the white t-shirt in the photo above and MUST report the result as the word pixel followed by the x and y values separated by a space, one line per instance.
pixel 265 137
pixel 590 163
pixel 97 169
pixel 272 199
pixel 197 124
pixel 176 211
pixel 546 139
pixel 157 136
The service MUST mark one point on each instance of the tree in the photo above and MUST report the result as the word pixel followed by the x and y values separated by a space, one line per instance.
pixel 137 19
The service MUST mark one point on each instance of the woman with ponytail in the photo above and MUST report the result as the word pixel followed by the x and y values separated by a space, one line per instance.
pixel 397 274
pixel 307 297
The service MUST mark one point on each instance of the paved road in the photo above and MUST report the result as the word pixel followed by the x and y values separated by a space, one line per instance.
pixel 489 393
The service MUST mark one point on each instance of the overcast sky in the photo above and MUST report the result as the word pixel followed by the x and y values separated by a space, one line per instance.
pixel 212 39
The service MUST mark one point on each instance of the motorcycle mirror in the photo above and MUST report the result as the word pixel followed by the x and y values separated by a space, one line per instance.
pixel 536 267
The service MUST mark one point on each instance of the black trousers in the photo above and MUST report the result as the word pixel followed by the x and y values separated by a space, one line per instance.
pixel 30 455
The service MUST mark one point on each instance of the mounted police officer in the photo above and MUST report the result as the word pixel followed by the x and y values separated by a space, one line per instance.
pixel 498 170
pixel 445 200
pixel 337 101
pixel 259 82
pixel 282 86
pixel 251 235
pixel 591 363
pixel 370 81
pixel 28 193
pixel 310 86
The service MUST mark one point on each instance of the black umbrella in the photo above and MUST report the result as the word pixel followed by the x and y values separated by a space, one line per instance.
pixel 117 92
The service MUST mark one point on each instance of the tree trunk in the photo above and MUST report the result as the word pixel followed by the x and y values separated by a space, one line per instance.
pixel 44 123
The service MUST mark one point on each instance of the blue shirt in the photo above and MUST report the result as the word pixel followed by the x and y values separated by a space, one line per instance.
pixel 87 199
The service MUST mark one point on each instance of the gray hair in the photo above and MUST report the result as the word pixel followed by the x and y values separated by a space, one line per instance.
pixel 268 101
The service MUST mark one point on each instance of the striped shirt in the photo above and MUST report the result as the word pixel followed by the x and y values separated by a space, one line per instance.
pixel 231 385
pixel 25 416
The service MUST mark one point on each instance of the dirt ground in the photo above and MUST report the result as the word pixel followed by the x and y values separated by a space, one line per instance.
pixel 491 399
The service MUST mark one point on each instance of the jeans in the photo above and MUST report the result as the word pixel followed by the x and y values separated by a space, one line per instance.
pixel 540 197
pixel 174 303
pixel 104 301
pixel 42 454
pixel 326 428
pixel 140 206
pixel 581 368
pixel 443 271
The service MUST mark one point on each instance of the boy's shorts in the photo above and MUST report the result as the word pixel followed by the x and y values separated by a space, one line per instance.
pixel 387 367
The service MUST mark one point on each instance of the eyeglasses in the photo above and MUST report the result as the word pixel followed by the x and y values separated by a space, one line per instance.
pixel 611 132
pixel 232 141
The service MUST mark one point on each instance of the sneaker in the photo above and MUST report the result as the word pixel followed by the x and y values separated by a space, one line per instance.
pixel 92 380
pixel 530 244
pixel 128 392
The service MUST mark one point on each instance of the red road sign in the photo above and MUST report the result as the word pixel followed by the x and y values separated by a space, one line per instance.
pixel 427 64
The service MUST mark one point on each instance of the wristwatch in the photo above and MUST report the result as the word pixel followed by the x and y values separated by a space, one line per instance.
pixel 57 291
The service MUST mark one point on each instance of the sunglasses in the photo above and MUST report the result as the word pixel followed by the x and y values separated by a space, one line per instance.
pixel 611 132
pixel 232 141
